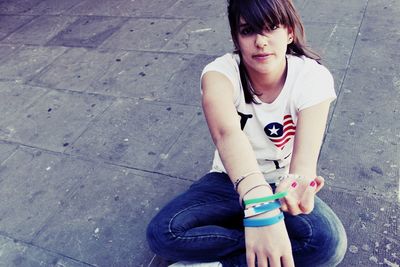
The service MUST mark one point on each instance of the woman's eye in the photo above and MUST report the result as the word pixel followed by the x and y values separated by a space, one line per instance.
pixel 246 31
pixel 274 27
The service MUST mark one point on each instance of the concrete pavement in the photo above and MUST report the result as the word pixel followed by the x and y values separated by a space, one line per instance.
pixel 101 124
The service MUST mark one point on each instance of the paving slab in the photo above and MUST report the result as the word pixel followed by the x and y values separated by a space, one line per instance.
pixel 52 7
pixel 375 58
pixel 143 8
pixel 361 150
pixel 334 42
pixel 34 185
pixel 105 220
pixel 372 226
pixel 299 4
pixel 19 254
pixel 6 51
pixel 17 6
pixel 40 30
pixel 140 74
pixel 77 68
pixel 373 54
pixel 10 23
pixel 346 12
pixel 191 156
pixel 144 34
pixel 134 133
pixel 6 150
pixel 28 61
pixel 88 31
pixel 211 37
pixel 198 9
pixel 55 121
pixel 184 85
pixel 383 10
pixel 16 97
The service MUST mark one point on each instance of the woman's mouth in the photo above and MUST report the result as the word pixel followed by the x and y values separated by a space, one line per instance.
pixel 262 56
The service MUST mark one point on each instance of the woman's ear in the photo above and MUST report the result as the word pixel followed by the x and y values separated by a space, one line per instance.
pixel 290 35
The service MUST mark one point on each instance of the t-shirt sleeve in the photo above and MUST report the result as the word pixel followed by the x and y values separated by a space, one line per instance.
pixel 227 66
pixel 317 86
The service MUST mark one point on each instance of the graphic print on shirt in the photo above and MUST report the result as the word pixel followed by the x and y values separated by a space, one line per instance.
pixel 244 118
pixel 281 134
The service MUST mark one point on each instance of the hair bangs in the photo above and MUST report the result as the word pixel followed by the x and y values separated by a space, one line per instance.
pixel 263 15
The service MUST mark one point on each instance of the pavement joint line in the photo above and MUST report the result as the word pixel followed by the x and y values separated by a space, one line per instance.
pixel 111 97
pixel 24 147
pixel 178 137
pixel 146 171
pixel 19 27
pixel 346 69
pixel 29 244
pixel 9 156
pixel 91 122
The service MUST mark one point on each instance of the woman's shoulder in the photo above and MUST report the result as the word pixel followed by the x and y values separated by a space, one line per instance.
pixel 227 65
pixel 307 66
pixel 229 60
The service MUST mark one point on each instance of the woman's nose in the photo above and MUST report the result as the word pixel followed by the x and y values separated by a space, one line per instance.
pixel 261 40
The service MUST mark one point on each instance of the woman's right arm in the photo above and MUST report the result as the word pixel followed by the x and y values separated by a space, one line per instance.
pixel 269 243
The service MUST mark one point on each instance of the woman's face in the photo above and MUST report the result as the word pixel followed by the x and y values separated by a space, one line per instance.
pixel 264 53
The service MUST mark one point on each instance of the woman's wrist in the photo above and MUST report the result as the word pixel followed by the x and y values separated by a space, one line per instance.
pixel 258 192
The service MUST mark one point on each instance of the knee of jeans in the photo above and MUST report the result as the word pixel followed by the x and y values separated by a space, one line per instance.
pixel 336 247
pixel 157 237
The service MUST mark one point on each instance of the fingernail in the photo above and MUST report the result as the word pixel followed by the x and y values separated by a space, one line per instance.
pixel 294 184
pixel 313 183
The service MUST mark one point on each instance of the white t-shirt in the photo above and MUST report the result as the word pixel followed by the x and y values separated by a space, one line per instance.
pixel 271 127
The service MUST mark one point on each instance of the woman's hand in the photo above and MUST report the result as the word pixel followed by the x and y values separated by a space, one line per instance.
pixel 300 199
pixel 269 246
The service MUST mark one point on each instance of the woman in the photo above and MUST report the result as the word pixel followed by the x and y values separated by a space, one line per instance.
pixel 266 106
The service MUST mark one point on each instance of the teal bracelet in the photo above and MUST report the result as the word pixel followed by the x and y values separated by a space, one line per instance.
pixel 266 199
pixel 261 208
pixel 263 222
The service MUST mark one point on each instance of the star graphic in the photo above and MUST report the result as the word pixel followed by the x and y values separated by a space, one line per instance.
pixel 273 130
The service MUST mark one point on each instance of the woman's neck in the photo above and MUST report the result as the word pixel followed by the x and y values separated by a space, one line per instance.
pixel 268 86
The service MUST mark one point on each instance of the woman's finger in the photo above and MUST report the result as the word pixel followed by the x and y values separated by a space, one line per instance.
pixel 251 258
pixel 262 261
pixel 306 204
pixel 274 261
pixel 287 261
pixel 292 205
pixel 320 183
pixel 291 189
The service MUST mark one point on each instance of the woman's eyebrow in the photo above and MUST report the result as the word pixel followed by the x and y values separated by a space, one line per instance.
pixel 243 24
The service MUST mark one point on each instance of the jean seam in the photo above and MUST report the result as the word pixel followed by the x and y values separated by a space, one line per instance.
pixel 308 240
pixel 193 237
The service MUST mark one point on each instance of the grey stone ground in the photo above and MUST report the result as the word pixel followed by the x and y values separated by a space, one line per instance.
pixel 101 124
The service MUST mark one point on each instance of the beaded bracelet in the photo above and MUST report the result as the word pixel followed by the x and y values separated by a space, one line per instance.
pixel 266 199
pixel 288 175
pixel 248 191
pixel 261 208
pixel 263 222
pixel 241 178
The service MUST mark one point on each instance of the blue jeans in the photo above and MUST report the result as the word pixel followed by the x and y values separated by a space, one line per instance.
pixel 205 224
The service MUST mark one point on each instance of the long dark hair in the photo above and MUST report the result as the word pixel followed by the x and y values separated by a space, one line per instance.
pixel 261 15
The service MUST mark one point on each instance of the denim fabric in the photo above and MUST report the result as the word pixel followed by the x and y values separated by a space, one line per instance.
pixel 205 224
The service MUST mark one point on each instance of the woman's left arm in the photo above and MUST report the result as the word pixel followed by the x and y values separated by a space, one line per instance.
pixel 310 131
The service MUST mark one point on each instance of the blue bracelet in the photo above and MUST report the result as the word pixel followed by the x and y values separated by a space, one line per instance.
pixel 263 222
pixel 261 208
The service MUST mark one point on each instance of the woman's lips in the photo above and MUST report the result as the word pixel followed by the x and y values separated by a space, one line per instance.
pixel 262 57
